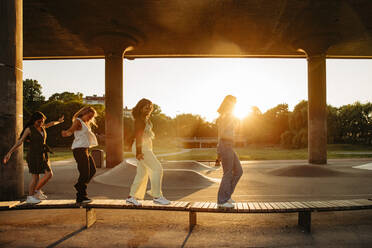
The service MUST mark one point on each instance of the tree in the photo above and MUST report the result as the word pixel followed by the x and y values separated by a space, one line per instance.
pixel 32 97
pixel 297 123
pixel 67 97
pixel 275 123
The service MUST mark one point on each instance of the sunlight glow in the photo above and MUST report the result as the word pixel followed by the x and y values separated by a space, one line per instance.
pixel 242 110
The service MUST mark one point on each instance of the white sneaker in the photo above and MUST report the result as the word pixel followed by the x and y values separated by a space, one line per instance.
pixel 161 200
pixel 226 205
pixel 32 199
pixel 231 201
pixel 40 194
pixel 132 200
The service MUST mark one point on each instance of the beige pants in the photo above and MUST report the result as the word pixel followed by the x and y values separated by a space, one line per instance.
pixel 147 167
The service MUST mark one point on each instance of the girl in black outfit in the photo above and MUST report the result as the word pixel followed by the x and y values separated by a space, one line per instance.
pixel 37 157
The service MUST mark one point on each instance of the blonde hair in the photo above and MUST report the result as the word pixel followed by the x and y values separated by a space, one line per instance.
pixel 226 104
pixel 85 110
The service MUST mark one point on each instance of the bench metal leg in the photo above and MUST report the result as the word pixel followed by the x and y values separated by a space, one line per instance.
pixel 304 220
pixel 192 220
pixel 90 217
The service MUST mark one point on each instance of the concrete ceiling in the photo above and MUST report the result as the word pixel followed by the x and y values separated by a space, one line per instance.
pixel 196 28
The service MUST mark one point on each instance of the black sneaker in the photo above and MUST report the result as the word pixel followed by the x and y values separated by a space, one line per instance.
pixel 83 199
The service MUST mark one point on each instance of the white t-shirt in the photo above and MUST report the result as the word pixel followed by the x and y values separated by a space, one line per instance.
pixel 84 138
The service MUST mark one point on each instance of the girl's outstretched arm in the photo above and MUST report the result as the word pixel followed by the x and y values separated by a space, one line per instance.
pixel 76 125
pixel 53 123
pixel 16 145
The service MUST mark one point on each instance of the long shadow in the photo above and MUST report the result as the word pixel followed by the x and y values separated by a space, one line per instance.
pixel 66 237
pixel 187 238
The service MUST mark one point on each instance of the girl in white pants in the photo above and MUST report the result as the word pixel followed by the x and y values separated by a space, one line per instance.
pixel 148 165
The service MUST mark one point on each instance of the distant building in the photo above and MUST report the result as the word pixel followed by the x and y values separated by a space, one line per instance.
pixel 94 99
pixel 127 112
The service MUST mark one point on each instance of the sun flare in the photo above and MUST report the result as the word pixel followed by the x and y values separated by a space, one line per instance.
pixel 241 110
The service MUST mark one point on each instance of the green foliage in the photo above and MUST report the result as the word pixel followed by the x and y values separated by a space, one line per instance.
pixel 266 128
pixel 32 97
pixel 67 97
pixel 296 136
pixel 189 125
pixel 355 123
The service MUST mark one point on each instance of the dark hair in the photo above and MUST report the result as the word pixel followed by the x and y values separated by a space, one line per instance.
pixel 137 110
pixel 34 117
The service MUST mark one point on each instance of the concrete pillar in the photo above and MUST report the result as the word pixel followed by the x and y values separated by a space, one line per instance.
pixel 114 108
pixel 317 109
pixel 11 109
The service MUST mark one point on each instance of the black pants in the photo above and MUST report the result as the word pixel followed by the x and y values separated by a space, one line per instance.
pixel 87 169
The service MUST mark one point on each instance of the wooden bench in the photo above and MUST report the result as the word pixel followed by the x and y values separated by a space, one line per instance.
pixel 303 208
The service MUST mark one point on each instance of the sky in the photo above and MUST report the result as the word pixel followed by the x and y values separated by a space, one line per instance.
pixel 198 85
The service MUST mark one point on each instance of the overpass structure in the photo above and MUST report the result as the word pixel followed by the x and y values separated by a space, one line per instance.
pixel 132 29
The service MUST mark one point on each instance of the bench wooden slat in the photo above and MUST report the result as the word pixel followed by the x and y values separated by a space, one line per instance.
pixel 338 204
pixel 292 206
pixel 185 204
pixel 344 205
pixel 206 205
pixel 276 207
pixel 213 206
pixel 319 205
pixel 309 205
pixel 49 204
pixel 257 206
pixel 240 207
pixel 8 204
pixel 334 205
pixel 361 202
pixel 289 206
pixel 178 204
pixel 327 204
pixel 268 206
pixel 263 207
pixel 251 206
pixel 203 204
pixel 356 204
pixel 245 206
pixel 364 202
pixel 197 205
pixel 282 206
pixel 300 206
pixel 194 204
pixel 236 207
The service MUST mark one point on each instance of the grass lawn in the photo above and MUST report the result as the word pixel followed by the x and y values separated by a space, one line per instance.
pixel 277 153
pixel 245 153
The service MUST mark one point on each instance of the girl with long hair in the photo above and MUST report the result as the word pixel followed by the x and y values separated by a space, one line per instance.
pixel 148 165
pixel 84 139
pixel 232 169
pixel 37 157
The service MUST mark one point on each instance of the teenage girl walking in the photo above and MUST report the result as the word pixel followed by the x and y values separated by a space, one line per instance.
pixel 149 165
pixel 84 139
pixel 37 157
pixel 232 169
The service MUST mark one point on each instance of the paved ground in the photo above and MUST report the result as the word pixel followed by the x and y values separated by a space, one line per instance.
pixel 262 180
